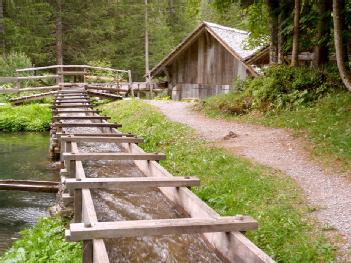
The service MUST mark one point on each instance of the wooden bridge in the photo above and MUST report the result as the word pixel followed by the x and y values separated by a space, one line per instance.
pixel 98 81
pixel 223 233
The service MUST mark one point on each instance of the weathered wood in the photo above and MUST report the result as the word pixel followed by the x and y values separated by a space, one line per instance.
pixel 37 77
pixel 105 95
pixel 29 185
pixel 75 111
pixel 157 227
pixel 103 138
pixel 114 156
pixel 80 118
pixel 59 134
pixel 72 106
pixel 19 100
pixel 132 182
pixel 69 66
pixel 83 100
pixel 83 124
pixel 2 91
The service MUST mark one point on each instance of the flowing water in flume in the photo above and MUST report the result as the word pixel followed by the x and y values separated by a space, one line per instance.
pixel 115 205
pixel 23 156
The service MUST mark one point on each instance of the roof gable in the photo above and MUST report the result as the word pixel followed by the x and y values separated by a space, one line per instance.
pixel 232 39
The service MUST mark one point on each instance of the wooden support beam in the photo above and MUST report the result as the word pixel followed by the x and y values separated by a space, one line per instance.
pixel 157 227
pixel 103 138
pixel 72 73
pixel 72 106
pixel 132 182
pixel 113 156
pixel 60 134
pixel 75 111
pixel 83 100
pixel 89 124
pixel 56 117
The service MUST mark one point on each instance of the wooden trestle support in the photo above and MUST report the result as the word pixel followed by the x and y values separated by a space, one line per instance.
pixel 223 233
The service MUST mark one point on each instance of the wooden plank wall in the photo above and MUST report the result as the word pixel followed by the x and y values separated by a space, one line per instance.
pixel 205 68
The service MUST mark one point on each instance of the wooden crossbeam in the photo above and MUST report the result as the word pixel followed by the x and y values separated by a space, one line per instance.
pixel 157 227
pixel 56 117
pixel 71 97
pixel 83 100
pixel 75 111
pixel 131 182
pixel 60 134
pixel 103 138
pixel 84 124
pixel 72 106
pixel 72 73
pixel 113 156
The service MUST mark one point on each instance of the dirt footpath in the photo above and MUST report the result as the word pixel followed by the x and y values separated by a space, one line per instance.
pixel 276 148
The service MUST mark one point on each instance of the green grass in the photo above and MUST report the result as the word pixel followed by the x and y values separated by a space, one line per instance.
pixel 43 243
pixel 231 185
pixel 31 117
pixel 327 123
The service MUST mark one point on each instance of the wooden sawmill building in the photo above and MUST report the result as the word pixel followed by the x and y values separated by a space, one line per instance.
pixel 208 60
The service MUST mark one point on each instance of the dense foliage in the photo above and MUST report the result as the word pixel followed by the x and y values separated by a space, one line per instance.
pixel 32 117
pixel 281 87
pixel 230 184
pixel 45 242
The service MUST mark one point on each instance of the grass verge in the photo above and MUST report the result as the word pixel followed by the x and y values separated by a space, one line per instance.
pixel 44 242
pixel 231 185
pixel 31 117
pixel 326 123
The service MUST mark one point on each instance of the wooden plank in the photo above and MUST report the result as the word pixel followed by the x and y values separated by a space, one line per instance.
pixel 106 95
pixel 72 97
pixel 80 117
pixel 103 138
pixel 30 187
pixel 8 79
pixel 84 124
pixel 60 134
pixel 132 182
pixel 72 106
pixel 113 156
pixel 157 227
pixel 89 215
pixel 83 100
pixel 28 182
pixel 38 77
pixel 75 111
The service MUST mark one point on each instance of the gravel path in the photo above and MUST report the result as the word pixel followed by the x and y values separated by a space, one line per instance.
pixel 276 148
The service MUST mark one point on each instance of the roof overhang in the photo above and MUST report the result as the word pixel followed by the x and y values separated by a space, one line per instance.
pixel 190 39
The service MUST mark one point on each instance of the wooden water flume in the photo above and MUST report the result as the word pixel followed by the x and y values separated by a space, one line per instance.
pixel 223 233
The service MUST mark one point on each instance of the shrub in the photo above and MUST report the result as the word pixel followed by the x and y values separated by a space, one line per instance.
pixel 281 87
pixel 13 61
pixel 45 242
pixel 32 117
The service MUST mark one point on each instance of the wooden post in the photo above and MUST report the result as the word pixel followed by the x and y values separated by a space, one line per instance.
pixel 130 83
pixel 87 251
pixel 78 205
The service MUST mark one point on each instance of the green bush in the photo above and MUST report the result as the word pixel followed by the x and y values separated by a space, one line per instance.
pixel 280 87
pixel 32 117
pixel 13 61
pixel 45 242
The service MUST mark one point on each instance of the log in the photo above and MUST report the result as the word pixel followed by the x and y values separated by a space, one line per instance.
pixel 157 227
pixel 29 185
pixel 132 182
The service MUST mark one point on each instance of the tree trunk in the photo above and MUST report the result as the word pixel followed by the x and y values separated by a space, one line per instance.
pixel 2 29
pixel 59 51
pixel 321 51
pixel 338 7
pixel 296 35
pixel 273 8
pixel 285 10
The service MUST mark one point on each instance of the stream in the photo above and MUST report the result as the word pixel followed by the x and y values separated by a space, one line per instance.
pixel 23 156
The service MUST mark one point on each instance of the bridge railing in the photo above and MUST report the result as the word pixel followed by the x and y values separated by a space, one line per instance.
pixel 77 71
